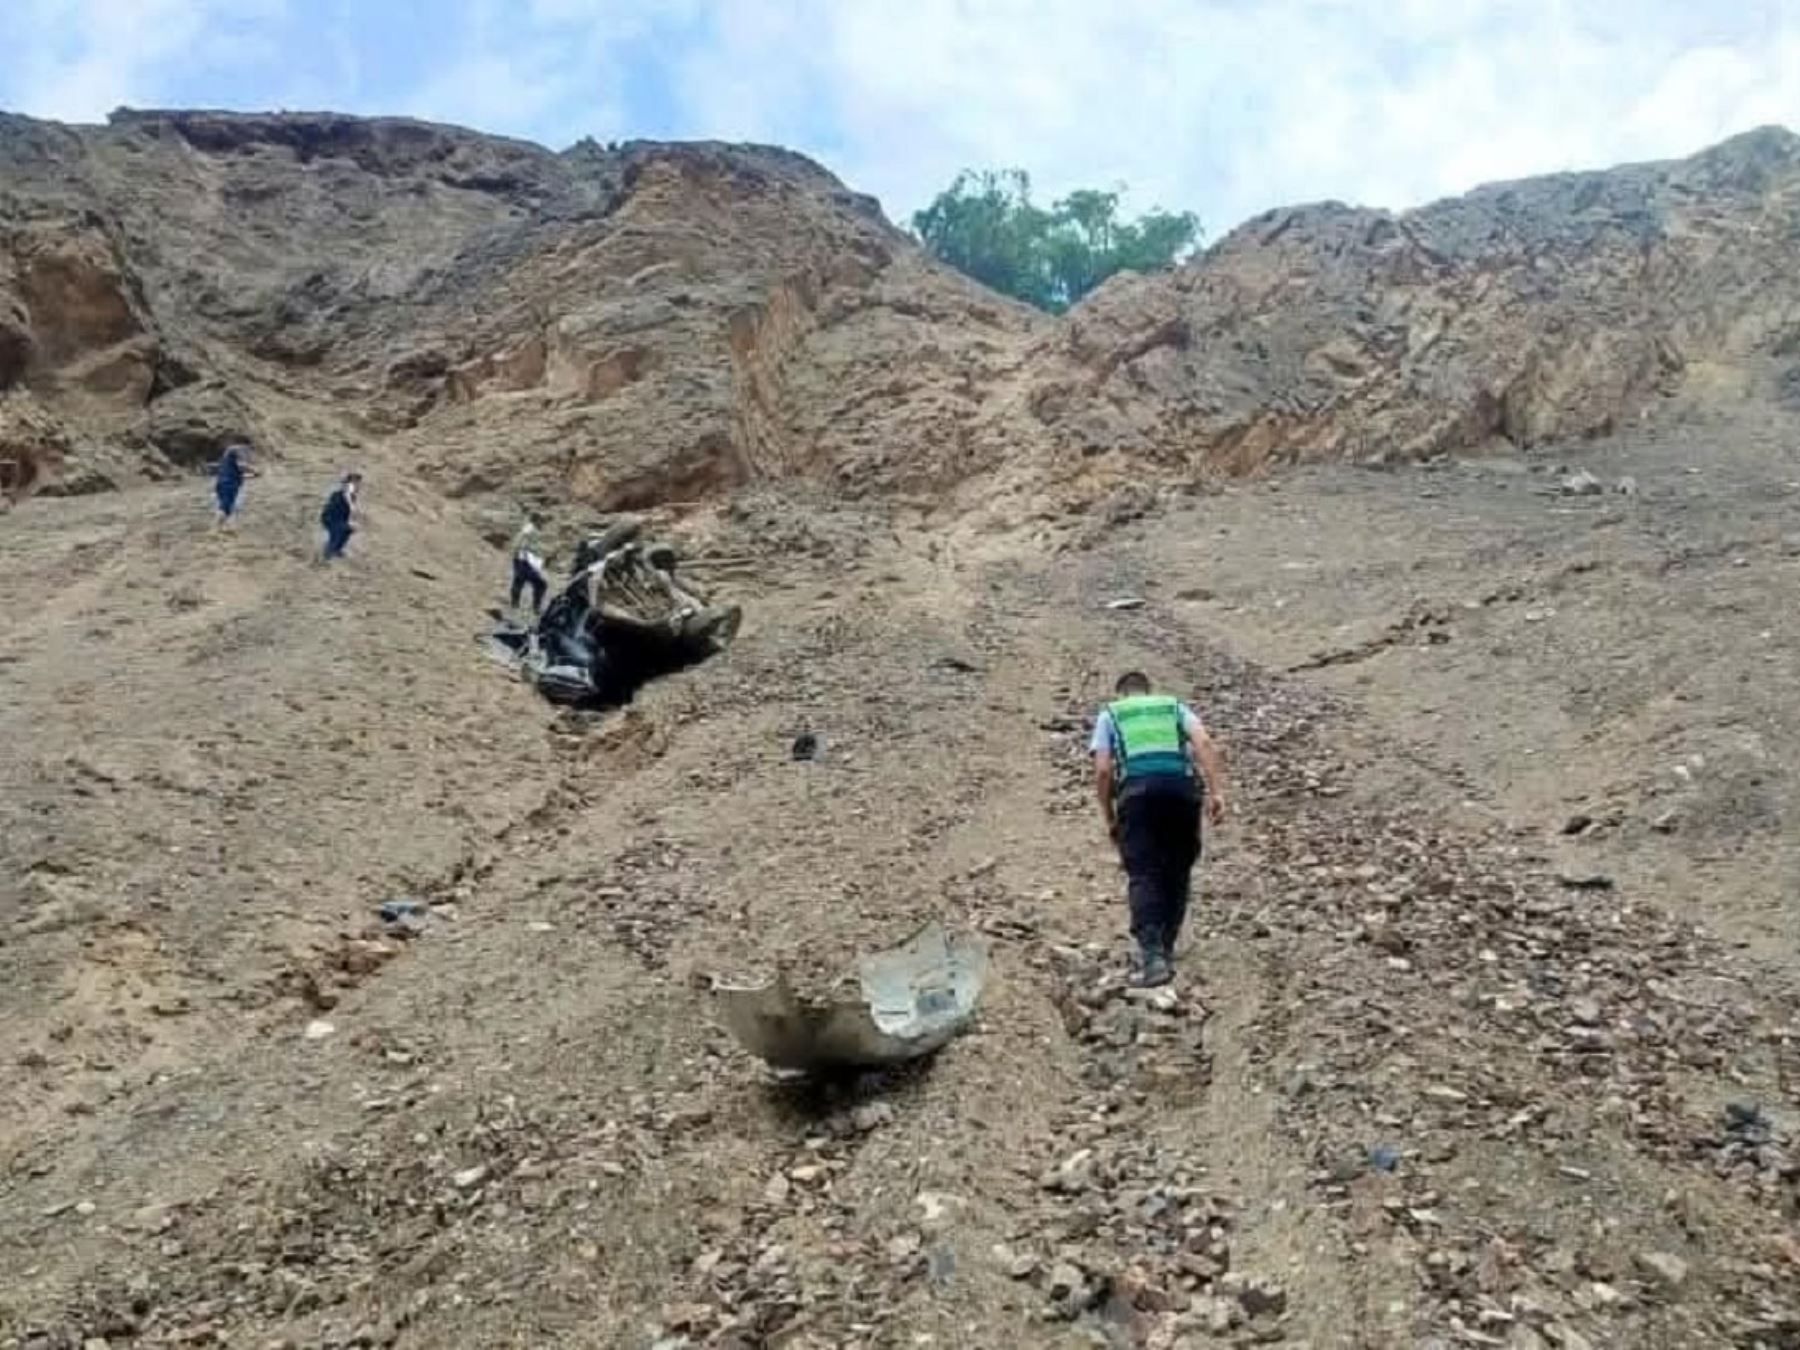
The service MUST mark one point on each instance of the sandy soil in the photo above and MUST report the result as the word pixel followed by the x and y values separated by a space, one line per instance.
pixel 1447 1065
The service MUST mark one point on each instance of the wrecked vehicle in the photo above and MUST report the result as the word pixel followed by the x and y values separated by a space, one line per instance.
pixel 912 1000
pixel 622 620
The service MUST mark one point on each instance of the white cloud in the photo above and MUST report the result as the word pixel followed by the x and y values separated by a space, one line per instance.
pixel 76 60
pixel 1225 106
pixel 1232 106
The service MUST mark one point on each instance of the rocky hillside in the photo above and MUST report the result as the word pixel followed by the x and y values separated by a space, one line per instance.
pixel 620 325
pixel 353 997
pixel 615 324
pixel 1545 310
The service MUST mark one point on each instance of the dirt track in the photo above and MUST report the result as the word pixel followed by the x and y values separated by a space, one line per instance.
pixel 524 1128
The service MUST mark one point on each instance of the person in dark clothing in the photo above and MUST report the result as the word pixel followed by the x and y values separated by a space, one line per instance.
pixel 228 480
pixel 1156 772
pixel 338 515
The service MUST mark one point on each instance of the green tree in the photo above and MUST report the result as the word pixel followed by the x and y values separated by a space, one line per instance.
pixel 986 225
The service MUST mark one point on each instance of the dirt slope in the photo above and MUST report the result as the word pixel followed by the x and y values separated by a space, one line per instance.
pixel 525 1128
pixel 1489 1025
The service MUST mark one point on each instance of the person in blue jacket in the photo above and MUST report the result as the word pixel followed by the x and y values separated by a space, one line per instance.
pixel 228 479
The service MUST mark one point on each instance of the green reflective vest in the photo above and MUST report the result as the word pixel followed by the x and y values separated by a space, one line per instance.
pixel 1148 738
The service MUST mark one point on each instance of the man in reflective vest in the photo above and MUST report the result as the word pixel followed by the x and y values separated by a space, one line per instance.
pixel 1156 771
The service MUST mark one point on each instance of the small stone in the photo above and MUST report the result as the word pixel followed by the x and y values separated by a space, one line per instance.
pixel 1585 881
pixel 776 1192
pixel 808 1173
pixel 1582 484
pixel 1585 1010
pixel 1163 999
pixel 1068 1287
pixel 1663 1268
pixel 935 1204
pixel 470 1177
pixel 1015 1264
pixel 1256 1294
pixel 1384 1157
pixel 318 1029
pixel 1567 1337
pixel 1380 932
pixel 85 1209
pixel 1074 1175
pixel 1217 1315
pixel 871 1116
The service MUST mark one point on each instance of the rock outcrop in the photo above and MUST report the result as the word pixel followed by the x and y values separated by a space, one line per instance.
pixel 1530 312
pixel 616 326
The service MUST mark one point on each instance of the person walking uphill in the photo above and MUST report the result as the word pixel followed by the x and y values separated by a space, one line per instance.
pixel 336 517
pixel 228 480
pixel 1156 770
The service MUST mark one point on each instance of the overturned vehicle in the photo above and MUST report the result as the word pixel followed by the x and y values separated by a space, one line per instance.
pixel 622 620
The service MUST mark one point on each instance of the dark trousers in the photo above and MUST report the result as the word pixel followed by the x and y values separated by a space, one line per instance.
pixel 226 491
pixel 336 536
pixel 524 574
pixel 1159 843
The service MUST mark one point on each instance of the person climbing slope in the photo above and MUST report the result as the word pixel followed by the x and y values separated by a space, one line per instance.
pixel 338 515
pixel 228 479
pixel 528 568
pixel 1156 771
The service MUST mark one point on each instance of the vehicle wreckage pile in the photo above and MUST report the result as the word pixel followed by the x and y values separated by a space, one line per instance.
pixel 623 619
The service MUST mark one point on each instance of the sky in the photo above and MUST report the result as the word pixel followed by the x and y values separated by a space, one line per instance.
pixel 1224 107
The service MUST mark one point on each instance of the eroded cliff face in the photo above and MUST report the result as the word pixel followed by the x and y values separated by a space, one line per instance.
pixel 619 326
pixel 610 325
pixel 1546 310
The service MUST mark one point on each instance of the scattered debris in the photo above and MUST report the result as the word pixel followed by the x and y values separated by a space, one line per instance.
pixel 1663 1268
pixel 1384 1157
pixel 912 1000
pixel 1585 881
pixel 623 619
pixel 1582 484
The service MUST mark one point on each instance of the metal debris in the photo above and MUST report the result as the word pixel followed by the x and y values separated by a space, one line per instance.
pixel 914 998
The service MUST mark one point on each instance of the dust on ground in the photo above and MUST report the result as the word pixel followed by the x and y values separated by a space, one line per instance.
pixel 1486 1032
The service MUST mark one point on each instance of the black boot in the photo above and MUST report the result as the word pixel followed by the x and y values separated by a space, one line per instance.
pixel 1153 969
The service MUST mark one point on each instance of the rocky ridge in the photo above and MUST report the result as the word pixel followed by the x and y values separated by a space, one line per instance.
pixel 614 326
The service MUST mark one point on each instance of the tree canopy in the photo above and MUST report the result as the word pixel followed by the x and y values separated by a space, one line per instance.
pixel 986 225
